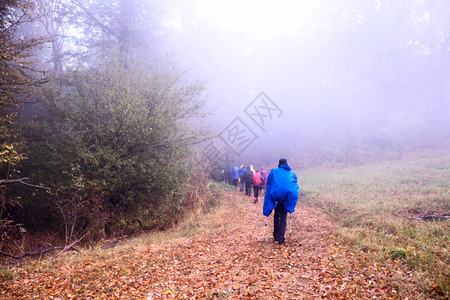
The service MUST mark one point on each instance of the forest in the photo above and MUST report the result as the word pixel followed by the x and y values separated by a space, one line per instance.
pixel 97 135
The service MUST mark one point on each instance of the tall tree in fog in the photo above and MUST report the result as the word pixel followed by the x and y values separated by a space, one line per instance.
pixel 126 24
pixel 56 18
pixel 17 71
pixel 16 50
pixel 17 75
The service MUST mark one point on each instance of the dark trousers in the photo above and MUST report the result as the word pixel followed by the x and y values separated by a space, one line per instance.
pixel 256 189
pixel 235 182
pixel 248 188
pixel 279 223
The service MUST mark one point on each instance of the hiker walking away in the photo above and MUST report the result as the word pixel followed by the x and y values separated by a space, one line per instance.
pixel 227 174
pixel 257 184
pixel 248 180
pixel 230 175
pixel 281 195
pixel 222 175
pixel 241 178
pixel 264 175
pixel 235 175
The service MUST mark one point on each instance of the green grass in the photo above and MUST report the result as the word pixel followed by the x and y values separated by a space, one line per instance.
pixel 6 274
pixel 378 209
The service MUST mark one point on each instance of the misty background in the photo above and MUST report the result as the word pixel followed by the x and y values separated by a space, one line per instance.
pixel 355 80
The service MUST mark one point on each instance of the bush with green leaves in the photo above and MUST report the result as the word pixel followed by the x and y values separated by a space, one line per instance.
pixel 115 143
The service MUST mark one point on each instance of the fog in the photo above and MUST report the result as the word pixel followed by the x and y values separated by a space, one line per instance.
pixel 341 81
pixel 348 76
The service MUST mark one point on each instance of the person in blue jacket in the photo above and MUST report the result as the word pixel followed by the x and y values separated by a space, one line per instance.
pixel 234 175
pixel 281 194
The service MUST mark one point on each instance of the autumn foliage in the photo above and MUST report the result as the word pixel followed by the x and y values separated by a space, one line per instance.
pixel 221 256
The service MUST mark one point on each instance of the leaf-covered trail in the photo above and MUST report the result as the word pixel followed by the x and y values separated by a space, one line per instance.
pixel 231 262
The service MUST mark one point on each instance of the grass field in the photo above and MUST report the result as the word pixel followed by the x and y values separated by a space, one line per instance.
pixel 392 211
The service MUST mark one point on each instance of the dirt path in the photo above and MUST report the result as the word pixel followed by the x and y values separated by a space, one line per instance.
pixel 232 262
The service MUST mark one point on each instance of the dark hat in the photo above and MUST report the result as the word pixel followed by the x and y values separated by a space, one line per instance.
pixel 282 161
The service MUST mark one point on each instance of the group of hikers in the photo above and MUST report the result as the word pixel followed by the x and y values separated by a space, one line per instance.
pixel 247 179
pixel 280 188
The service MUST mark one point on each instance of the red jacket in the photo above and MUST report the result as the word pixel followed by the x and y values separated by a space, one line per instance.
pixel 257 179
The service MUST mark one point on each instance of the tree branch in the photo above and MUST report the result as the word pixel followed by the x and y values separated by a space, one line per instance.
pixel 69 247
pixel 21 180
pixel 105 28
pixel 112 243
pixel 37 253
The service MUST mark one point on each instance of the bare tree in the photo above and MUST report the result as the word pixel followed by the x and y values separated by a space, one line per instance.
pixel 54 16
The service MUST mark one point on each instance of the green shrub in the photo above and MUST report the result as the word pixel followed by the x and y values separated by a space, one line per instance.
pixel 399 253
pixel 115 144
